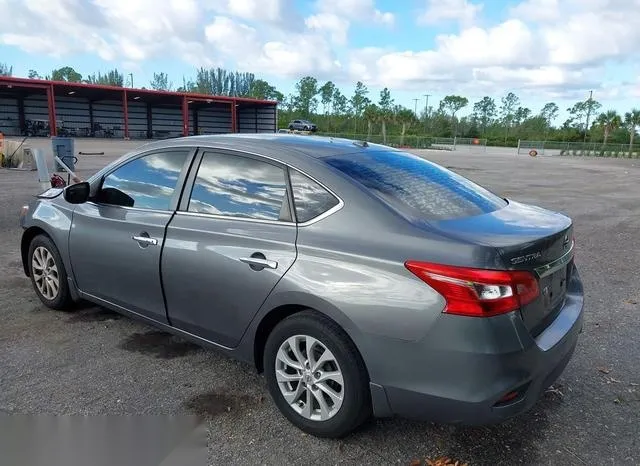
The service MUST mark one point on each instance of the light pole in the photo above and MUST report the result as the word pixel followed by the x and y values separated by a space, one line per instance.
pixel 131 75
pixel 586 127
pixel 426 112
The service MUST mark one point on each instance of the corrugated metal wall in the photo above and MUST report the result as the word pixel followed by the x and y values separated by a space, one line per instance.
pixel 108 118
pixel 166 121
pixel 9 118
pixel 257 119
pixel 214 119
pixel 137 119
pixel 35 108
pixel 72 115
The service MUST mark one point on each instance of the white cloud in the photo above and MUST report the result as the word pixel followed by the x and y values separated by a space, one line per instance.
pixel 335 26
pixel 356 10
pixel 511 42
pixel 463 11
pixel 230 37
pixel 593 36
pixel 278 13
pixel 537 10
pixel 287 55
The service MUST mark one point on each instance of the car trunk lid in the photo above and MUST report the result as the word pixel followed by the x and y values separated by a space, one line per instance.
pixel 525 238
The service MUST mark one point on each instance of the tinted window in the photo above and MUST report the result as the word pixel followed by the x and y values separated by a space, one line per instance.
pixel 147 182
pixel 417 187
pixel 239 187
pixel 309 197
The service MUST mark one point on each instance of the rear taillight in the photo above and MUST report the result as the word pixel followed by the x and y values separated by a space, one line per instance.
pixel 478 292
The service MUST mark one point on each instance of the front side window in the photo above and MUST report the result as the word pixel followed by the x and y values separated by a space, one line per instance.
pixel 416 187
pixel 236 186
pixel 309 197
pixel 147 182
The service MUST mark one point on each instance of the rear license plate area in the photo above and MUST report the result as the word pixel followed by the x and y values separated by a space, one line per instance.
pixel 554 289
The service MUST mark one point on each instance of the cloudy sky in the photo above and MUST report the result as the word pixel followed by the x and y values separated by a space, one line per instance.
pixel 543 50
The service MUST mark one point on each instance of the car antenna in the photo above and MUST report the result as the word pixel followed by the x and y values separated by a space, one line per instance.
pixel 360 143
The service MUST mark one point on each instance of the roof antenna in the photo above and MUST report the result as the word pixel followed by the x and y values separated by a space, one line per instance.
pixel 360 143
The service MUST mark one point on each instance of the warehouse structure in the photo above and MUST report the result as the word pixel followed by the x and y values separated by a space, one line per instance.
pixel 33 107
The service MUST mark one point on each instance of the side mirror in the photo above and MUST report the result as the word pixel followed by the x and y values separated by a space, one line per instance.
pixel 77 193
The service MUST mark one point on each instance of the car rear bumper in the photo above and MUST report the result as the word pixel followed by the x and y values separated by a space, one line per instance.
pixel 462 371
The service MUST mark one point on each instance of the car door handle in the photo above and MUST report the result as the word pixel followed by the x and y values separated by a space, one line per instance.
pixel 145 240
pixel 259 262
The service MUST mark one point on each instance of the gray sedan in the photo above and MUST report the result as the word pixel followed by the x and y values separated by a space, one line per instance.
pixel 363 281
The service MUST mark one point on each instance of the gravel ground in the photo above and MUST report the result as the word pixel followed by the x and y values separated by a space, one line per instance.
pixel 96 362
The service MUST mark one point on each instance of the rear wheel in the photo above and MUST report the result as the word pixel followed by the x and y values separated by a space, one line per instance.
pixel 48 275
pixel 316 375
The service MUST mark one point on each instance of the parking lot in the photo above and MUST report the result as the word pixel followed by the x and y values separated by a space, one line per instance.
pixel 93 361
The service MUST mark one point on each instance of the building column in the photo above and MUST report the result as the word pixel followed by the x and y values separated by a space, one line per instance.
pixel 149 122
pixel 125 109
pixel 51 103
pixel 22 124
pixel 91 132
pixel 196 124
pixel 234 117
pixel 185 116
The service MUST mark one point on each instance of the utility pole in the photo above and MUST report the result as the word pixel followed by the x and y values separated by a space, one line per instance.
pixel 586 128
pixel 415 106
pixel 426 112
pixel 131 74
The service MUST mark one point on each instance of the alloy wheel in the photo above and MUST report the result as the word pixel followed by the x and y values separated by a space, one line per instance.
pixel 309 377
pixel 45 273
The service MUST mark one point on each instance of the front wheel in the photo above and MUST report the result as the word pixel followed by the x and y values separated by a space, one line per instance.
pixel 316 376
pixel 48 274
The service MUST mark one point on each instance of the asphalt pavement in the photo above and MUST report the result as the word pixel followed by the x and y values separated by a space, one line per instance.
pixel 93 361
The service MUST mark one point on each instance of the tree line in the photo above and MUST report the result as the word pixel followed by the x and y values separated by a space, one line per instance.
pixel 501 120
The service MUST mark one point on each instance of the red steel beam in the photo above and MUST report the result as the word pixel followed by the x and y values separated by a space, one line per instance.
pixel 51 103
pixel 234 118
pixel 185 116
pixel 125 109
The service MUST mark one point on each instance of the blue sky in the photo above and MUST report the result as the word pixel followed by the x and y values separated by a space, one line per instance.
pixel 542 50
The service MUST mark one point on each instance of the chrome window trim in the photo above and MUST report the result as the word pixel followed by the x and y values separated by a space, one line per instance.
pixel 325 214
pixel 553 266
pixel 228 217
pixel 136 209
pixel 318 218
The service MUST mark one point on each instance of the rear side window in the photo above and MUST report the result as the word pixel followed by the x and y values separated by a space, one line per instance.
pixel 311 199
pixel 237 186
pixel 416 187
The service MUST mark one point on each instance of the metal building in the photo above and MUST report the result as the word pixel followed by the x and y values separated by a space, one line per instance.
pixel 33 107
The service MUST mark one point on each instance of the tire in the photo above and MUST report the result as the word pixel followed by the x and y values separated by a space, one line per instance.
pixel 41 250
pixel 291 128
pixel 355 407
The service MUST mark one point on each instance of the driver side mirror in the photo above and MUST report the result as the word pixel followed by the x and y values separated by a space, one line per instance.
pixel 77 193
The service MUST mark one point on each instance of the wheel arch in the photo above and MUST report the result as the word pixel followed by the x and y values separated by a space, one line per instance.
pixel 27 237
pixel 280 312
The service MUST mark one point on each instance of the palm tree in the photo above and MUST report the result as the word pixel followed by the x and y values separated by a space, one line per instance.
pixel 631 122
pixel 609 121
pixel 370 114
pixel 406 118
pixel 384 116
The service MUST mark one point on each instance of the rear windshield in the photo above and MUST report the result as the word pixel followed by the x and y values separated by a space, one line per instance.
pixel 416 187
